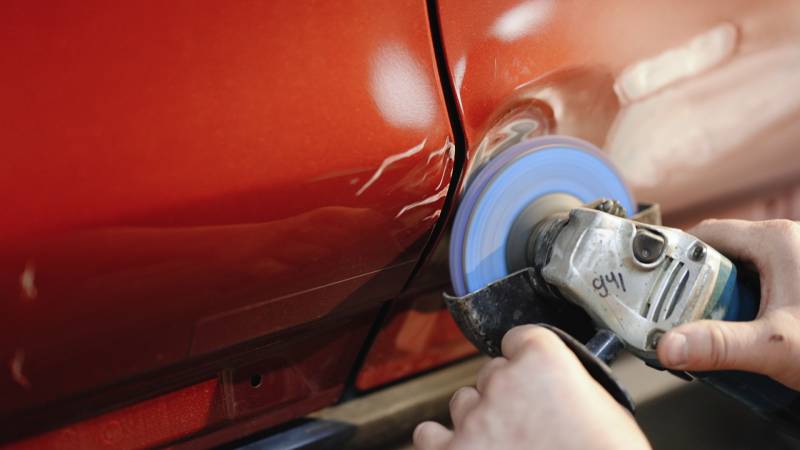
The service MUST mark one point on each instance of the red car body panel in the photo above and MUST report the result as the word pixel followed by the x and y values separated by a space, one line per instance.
pixel 183 178
pixel 418 336
pixel 418 333
pixel 146 424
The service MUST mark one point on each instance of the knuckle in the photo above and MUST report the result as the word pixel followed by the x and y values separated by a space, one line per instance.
pixel 488 369
pixel 540 340
pixel 498 383
pixel 705 227
pixel 459 397
pixel 707 223
pixel 783 240
pixel 474 422
pixel 545 350
pixel 718 346
pixel 518 333
pixel 783 228
pixel 538 346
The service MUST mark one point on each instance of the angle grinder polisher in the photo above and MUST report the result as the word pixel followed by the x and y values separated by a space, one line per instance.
pixel 546 232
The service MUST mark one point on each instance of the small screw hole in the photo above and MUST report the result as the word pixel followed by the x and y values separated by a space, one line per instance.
pixel 255 380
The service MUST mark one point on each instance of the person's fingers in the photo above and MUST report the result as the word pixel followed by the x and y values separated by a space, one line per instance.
pixel 733 238
pixel 715 345
pixel 431 436
pixel 529 337
pixel 463 401
pixel 487 370
pixel 773 246
pixel 768 244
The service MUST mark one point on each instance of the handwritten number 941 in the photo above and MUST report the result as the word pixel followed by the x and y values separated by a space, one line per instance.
pixel 599 283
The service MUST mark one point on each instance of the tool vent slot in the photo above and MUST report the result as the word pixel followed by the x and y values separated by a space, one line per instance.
pixel 667 291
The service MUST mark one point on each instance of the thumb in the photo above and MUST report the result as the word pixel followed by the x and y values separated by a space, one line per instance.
pixel 716 345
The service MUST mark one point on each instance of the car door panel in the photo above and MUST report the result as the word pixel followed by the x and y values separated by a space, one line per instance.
pixel 185 178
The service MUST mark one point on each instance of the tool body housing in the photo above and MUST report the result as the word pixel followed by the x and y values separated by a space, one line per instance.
pixel 640 280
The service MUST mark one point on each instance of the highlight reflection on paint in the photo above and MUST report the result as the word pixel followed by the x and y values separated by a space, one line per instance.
pixel 401 88
pixel 521 20
pixel 459 69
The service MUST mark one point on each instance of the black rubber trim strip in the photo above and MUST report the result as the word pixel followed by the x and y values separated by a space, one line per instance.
pixel 457 128
pixel 460 153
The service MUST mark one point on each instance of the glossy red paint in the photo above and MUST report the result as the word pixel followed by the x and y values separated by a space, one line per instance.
pixel 183 177
pixel 694 101
pixel 419 333
pixel 146 424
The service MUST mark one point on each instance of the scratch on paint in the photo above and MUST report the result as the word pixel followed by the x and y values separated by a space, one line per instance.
pixel 442 178
pixel 426 201
pixel 446 148
pixel 435 215
pixel 389 161
pixel 27 281
pixel 16 369
pixel 451 155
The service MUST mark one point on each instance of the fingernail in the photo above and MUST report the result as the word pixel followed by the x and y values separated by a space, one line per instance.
pixel 676 352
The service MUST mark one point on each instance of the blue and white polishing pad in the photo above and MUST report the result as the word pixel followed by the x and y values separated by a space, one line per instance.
pixel 507 185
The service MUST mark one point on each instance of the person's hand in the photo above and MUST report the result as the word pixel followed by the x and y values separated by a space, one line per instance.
pixel 538 396
pixel 769 345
